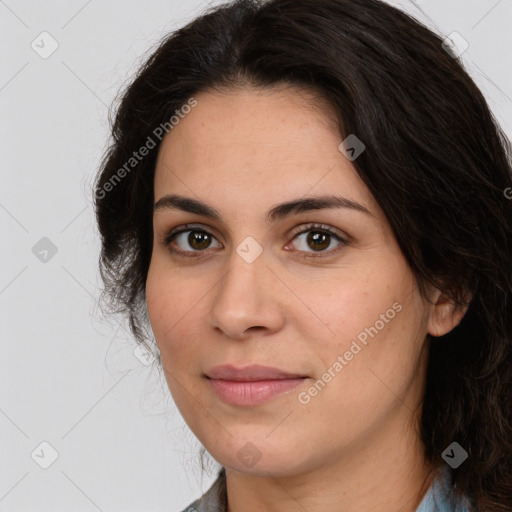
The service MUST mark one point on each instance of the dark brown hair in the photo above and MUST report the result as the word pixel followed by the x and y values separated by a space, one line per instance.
pixel 436 161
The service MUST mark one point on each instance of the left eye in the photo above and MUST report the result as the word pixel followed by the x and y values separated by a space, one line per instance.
pixel 318 239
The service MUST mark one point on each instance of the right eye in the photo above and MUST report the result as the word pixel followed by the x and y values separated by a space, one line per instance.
pixel 196 238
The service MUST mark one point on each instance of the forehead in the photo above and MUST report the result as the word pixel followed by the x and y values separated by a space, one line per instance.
pixel 268 143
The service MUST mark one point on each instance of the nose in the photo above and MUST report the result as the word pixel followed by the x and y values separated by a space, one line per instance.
pixel 247 300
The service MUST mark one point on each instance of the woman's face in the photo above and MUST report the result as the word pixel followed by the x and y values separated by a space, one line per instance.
pixel 263 286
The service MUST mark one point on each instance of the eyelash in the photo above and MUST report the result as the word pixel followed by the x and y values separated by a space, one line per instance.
pixel 304 229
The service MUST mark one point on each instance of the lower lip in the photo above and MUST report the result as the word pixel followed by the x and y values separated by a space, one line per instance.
pixel 252 393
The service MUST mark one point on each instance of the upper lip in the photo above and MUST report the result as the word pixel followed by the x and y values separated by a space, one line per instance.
pixel 254 372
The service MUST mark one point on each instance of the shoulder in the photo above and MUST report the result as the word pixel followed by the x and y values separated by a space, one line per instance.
pixel 441 497
pixel 193 507
pixel 209 501
pixel 204 504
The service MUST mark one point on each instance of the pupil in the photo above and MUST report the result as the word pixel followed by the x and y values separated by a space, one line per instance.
pixel 198 240
pixel 320 240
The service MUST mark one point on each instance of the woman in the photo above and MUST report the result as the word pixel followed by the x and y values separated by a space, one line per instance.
pixel 306 201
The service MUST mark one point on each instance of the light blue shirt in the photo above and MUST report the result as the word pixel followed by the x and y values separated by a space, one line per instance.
pixel 438 498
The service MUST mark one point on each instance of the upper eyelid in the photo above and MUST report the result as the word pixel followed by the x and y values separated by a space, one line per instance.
pixel 188 227
pixel 320 227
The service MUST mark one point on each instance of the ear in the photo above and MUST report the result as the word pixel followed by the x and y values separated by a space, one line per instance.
pixel 445 313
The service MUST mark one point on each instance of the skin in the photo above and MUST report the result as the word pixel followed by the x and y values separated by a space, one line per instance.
pixel 354 446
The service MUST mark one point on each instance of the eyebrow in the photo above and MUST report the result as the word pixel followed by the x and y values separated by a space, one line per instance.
pixel 278 212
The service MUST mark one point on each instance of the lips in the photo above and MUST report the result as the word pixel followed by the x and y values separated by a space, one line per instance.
pixel 250 373
pixel 252 385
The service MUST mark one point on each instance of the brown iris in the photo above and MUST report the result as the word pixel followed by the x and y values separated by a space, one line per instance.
pixel 317 240
pixel 199 240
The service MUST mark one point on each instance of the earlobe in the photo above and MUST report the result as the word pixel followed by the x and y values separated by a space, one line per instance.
pixel 445 314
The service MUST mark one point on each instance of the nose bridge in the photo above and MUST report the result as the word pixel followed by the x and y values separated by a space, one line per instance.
pixel 244 281
pixel 243 297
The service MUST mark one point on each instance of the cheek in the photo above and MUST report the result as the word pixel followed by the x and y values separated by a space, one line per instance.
pixel 350 306
pixel 171 302
pixel 375 315
pixel 172 309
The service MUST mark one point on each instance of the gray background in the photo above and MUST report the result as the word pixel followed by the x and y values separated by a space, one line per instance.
pixel 67 377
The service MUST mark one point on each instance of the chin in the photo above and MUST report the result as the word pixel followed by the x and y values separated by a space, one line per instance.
pixel 260 457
